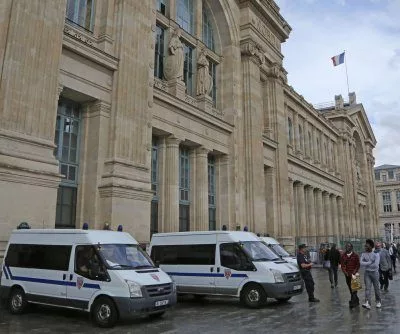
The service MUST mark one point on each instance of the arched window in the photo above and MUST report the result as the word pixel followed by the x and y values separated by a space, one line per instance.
pixel 184 15
pixel 208 33
pixel 290 131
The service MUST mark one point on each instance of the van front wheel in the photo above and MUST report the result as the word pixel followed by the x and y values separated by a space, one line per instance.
pixel 17 302
pixel 104 312
pixel 253 296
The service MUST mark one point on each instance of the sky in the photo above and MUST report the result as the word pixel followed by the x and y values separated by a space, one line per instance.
pixel 369 32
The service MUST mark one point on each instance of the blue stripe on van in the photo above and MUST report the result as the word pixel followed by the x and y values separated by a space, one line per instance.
pixel 5 272
pixel 50 281
pixel 205 274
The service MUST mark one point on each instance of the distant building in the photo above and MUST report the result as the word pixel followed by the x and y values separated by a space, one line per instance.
pixel 387 180
pixel 172 116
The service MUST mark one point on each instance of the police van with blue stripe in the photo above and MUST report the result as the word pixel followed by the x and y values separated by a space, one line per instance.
pixel 225 263
pixel 105 273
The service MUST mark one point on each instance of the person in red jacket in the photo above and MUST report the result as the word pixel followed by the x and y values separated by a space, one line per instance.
pixel 350 263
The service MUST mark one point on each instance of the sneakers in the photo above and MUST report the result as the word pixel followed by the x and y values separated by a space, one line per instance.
pixel 366 305
pixel 313 300
pixel 378 305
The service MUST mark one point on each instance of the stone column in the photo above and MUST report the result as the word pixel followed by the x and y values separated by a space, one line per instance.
pixel 328 214
pixel 362 222
pixel 302 210
pixel 201 216
pixel 319 214
pixel 31 37
pixel 292 207
pixel 198 19
pixel 296 133
pixel 171 222
pixel 252 58
pixel 272 226
pixel 126 182
pixel 162 158
pixel 96 117
pixel 342 229
pixel 172 9
pixel 335 220
pixel 224 200
pixel 311 216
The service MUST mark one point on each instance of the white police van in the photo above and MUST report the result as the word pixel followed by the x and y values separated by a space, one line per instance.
pixel 105 273
pixel 225 263
pixel 279 250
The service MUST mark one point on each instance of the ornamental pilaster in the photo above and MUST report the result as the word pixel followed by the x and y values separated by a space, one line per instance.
pixel 201 197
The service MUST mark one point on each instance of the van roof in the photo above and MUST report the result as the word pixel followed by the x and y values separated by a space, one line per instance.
pixel 269 240
pixel 62 236
pixel 233 235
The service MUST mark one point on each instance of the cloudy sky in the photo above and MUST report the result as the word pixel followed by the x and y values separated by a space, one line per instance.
pixel 369 31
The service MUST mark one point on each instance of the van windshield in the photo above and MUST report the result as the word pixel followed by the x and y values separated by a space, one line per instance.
pixel 278 249
pixel 258 251
pixel 122 257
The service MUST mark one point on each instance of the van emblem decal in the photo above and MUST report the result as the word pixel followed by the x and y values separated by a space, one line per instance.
pixel 227 273
pixel 79 282
pixel 155 277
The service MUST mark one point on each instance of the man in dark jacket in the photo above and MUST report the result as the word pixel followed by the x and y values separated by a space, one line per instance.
pixel 333 256
pixel 305 266
pixel 350 263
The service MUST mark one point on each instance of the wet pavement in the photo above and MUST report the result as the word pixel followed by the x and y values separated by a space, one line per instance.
pixel 215 315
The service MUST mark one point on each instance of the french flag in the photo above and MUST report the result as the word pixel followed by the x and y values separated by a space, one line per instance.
pixel 337 60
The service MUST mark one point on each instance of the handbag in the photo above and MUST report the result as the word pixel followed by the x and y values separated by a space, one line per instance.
pixel 390 274
pixel 356 283
pixel 326 264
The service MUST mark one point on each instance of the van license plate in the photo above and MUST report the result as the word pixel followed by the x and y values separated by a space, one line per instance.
pixel 297 287
pixel 161 303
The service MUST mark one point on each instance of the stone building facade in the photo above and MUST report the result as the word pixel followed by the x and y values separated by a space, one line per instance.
pixel 387 180
pixel 172 115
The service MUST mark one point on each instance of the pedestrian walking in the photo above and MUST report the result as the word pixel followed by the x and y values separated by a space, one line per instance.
pixel 370 260
pixel 385 265
pixel 350 264
pixel 393 255
pixel 305 265
pixel 333 256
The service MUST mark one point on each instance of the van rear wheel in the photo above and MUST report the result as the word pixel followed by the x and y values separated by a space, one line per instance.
pixel 104 312
pixel 253 296
pixel 17 301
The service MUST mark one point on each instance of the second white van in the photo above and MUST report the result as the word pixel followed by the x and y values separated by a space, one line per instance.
pixel 225 263
pixel 279 250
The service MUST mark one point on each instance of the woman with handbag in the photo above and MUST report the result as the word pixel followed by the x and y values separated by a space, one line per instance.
pixel 332 259
pixel 350 263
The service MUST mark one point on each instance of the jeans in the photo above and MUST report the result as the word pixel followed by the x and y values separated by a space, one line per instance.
pixel 332 271
pixel 384 278
pixel 372 278
pixel 308 282
pixel 354 301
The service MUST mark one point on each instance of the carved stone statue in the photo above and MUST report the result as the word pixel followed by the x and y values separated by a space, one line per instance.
pixel 173 68
pixel 204 79
pixel 358 170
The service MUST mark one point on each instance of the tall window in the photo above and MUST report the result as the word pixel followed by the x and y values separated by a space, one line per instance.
pixel 310 153
pixel 67 153
pixel 161 6
pixel 81 12
pixel 398 200
pixel 159 53
pixel 212 218
pixel 397 176
pixel 213 74
pixel 384 177
pixel 188 75
pixel 387 201
pixel 154 187
pixel 184 190
pixel 391 174
pixel 290 130
pixel 184 15
pixel 208 34
pixel 318 150
pixel 301 138
pixel 377 176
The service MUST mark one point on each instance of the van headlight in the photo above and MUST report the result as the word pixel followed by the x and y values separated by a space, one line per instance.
pixel 278 276
pixel 135 289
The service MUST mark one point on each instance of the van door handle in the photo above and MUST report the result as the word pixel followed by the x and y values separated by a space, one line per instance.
pixel 64 276
pixel 217 269
pixel 71 276
pixel 212 269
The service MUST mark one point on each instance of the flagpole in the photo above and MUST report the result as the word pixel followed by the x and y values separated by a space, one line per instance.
pixel 347 77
